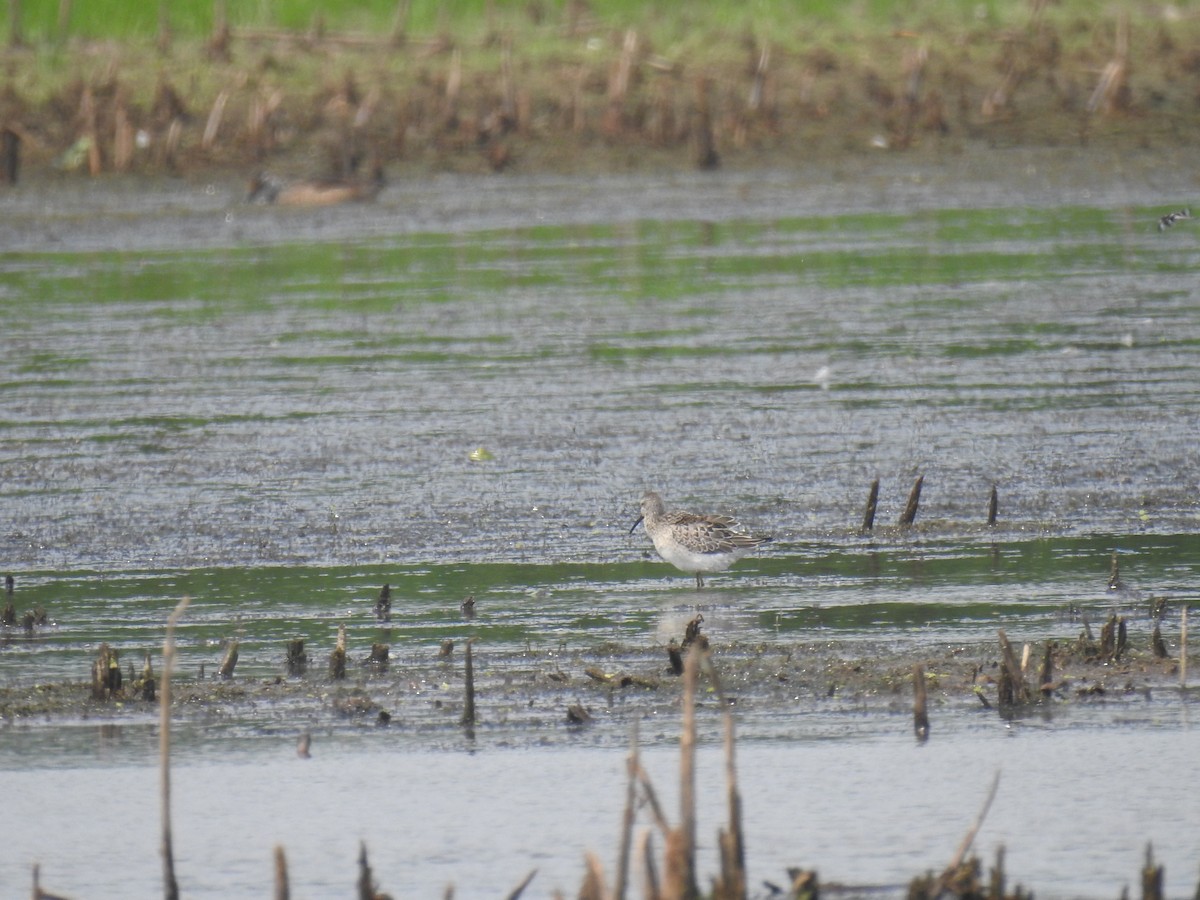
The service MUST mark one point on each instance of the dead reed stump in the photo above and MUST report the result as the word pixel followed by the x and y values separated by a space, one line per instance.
pixel 1152 877
pixel 282 891
pixel 914 499
pixel 1114 574
pixel 38 893
pixel 383 604
pixel 516 892
pixel 1157 645
pixel 920 704
pixel 1012 690
pixel 230 661
pixel 692 636
pixel 675 657
pixel 106 673
pixel 368 889
pixel 1114 639
pixel 468 716
pixel 297 659
pixel 148 684
pixel 1183 651
pixel 378 660
pixel 337 659
pixel 1046 675
pixel 593 887
pixel 868 521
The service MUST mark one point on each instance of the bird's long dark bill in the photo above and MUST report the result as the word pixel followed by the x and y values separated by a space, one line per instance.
pixel 636 524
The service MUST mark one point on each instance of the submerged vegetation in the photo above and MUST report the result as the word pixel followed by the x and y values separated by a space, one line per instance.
pixel 578 86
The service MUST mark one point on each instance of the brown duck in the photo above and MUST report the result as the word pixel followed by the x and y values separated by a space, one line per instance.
pixel 267 189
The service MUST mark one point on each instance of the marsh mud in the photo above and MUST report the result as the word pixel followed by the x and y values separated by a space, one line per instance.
pixel 805 690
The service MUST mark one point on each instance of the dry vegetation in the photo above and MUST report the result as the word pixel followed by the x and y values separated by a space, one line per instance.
pixel 574 95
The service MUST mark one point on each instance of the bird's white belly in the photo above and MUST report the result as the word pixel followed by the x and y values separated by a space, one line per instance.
pixel 689 561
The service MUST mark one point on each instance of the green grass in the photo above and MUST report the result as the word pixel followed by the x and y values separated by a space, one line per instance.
pixel 133 20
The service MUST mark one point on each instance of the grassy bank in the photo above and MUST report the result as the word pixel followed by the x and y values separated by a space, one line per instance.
pixel 41 21
pixel 477 85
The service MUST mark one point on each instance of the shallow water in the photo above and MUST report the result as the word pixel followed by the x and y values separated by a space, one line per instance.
pixel 868 814
pixel 274 413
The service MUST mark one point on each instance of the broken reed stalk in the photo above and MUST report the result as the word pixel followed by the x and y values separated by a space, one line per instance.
pixel 383 604
pixel 914 500
pixel 1152 877
pixel 650 886
pixel 967 841
pixel 230 661
pixel 593 881
pixel 1157 645
pixel 868 522
pixel 1108 638
pixel 1046 675
pixel 367 888
pixel 106 670
pixel 758 88
pixel 123 137
pixel 1107 96
pixel 337 659
pixel 213 126
pixel 1183 648
pixel 732 883
pixel 1013 691
pixel 379 657
pixel 282 892
pixel 652 799
pixel 516 892
pixel 468 716
pixel 148 683
pixel 627 817
pixel 297 661
pixel 681 842
pixel 170 885
pixel 920 704
pixel 9 616
pixel 993 507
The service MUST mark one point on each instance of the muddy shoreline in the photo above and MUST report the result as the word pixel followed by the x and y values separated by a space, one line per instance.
pixel 528 697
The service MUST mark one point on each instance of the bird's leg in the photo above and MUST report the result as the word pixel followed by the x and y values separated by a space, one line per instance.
pixel 699 581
